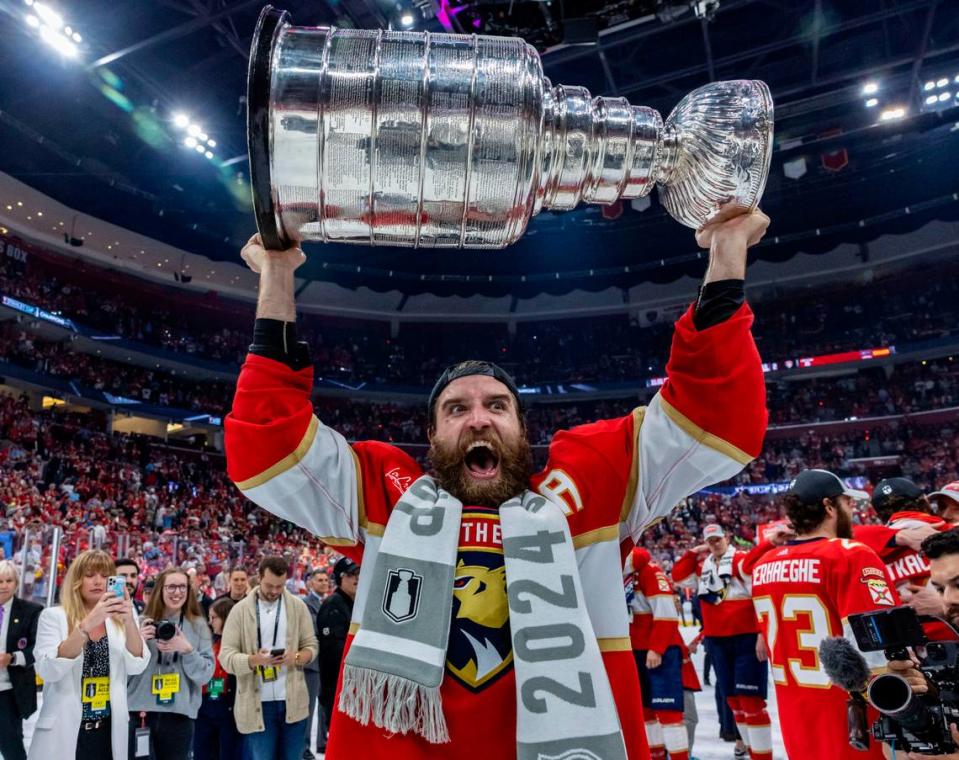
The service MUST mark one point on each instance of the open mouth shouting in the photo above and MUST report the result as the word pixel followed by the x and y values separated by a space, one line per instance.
pixel 482 461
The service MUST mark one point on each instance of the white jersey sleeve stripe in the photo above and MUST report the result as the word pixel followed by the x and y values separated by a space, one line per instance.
pixel 674 459
pixel 316 488
pixel 602 586
pixel 663 606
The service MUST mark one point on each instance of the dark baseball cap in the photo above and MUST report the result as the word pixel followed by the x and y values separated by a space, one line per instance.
pixel 344 566
pixel 892 488
pixel 812 486
pixel 465 369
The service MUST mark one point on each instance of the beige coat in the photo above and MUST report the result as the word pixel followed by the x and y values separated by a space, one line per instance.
pixel 239 642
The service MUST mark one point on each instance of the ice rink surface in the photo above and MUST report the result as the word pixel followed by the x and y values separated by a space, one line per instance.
pixel 708 745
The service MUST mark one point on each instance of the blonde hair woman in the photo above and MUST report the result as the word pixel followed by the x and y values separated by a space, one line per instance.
pixel 85 649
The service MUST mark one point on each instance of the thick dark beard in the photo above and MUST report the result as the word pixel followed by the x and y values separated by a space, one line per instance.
pixel 515 463
pixel 843 525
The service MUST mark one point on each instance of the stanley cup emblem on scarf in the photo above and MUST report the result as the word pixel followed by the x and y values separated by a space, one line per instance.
pixel 400 600
pixel 449 141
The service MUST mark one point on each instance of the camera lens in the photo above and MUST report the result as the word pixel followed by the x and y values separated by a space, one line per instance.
pixel 165 630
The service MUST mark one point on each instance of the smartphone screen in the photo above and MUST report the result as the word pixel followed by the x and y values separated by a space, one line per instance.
pixel 277 652
pixel 117 584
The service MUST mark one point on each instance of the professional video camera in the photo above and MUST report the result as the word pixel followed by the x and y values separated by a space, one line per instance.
pixel 911 722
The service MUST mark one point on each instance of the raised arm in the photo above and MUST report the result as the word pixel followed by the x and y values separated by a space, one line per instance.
pixel 708 420
pixel 278 453
pixel 686 566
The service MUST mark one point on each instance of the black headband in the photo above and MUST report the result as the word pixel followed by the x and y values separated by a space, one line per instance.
pixel 465 369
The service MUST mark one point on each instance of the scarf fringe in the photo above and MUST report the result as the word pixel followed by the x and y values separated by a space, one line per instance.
pixel 395 704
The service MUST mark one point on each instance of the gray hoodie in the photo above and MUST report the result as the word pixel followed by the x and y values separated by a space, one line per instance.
pixel 195 669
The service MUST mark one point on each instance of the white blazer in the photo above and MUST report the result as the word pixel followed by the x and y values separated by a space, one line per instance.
pixel 57 726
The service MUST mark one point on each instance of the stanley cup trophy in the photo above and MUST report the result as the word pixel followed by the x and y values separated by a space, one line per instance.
pixel 450 141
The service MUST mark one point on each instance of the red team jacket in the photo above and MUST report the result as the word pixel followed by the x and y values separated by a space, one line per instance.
pixel 613 478
pixel 804 592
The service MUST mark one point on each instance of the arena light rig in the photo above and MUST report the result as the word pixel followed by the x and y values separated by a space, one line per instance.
pixel 52 29
pixel 196 138
pixel 941 92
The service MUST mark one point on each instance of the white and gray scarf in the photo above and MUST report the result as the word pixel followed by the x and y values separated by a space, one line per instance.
pixel 716 576
pixel 394 669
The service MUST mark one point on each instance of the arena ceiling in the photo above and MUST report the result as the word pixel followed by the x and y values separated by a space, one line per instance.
pixel 96 130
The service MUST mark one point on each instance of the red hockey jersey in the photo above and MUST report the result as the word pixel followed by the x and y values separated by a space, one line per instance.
pixel 803 593
pixel 904 565
pixel 734 614
pixel 612 478
pixel 655 622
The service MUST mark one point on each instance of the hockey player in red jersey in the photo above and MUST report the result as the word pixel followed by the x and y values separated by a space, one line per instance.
pixel 902 506
pixel 803 593
pixel 731 632
pixel 419 683
pixel 659 653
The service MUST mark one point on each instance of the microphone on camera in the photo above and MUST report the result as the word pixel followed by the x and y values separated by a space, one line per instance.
pixel 844 664
pixel 848 670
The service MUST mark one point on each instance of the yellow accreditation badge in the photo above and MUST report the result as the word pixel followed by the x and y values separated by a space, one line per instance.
pixel 268 673
pixel 96 693
pixel 165 687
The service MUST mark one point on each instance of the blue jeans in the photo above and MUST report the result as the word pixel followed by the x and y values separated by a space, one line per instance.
pixel 278 740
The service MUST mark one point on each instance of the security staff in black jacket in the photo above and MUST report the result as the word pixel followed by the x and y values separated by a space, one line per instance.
pixel 18 679
pixel 333 624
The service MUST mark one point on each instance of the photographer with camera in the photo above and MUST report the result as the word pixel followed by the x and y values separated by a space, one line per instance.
pixel 165 698
pixel 942 552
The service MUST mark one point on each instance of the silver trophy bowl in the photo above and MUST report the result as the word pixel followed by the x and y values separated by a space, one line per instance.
pixel 453 141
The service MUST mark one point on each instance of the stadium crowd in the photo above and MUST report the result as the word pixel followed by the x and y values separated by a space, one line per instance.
pixel 899 308
pixel 62 468
pixel 160 504
pixel 870 392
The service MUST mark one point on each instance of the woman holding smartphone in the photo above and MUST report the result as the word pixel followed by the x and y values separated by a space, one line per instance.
pixel 165 697
pixel 85 650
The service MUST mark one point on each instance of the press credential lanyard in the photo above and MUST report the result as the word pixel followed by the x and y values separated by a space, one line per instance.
pixel 268 672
